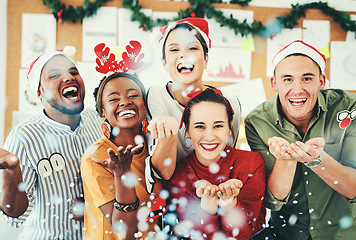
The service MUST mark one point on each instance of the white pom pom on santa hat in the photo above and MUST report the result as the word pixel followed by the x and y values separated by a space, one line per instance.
pixel 34 73
pixel 69 51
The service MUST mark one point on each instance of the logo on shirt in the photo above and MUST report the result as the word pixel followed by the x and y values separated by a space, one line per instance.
pixel 45 166
pixel 344 117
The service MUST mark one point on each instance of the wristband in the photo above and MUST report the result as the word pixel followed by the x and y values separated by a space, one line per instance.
pixel 127 207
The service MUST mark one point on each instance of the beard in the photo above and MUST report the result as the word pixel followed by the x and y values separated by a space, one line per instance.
pixel 65 110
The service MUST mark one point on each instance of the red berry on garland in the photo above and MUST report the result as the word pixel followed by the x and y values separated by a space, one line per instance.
pixel 143 28
pixel 59 14
pixel 193 15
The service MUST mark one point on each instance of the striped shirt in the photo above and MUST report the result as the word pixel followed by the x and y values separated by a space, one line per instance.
pixel 50 154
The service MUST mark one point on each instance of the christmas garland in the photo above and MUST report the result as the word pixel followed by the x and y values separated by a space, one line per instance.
pixel 202 8
pixel 64 14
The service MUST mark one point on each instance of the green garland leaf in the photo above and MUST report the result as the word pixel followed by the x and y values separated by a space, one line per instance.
pixel 203 8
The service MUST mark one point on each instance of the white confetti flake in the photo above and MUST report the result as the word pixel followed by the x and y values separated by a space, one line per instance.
pixel 167 162
pixel 120 227
pixel 223 154
pixel 22 186
pixel 214 168
pixel 139 139
pixel 345 222
pixel 115 131
pixel 292 220
pixel 129 180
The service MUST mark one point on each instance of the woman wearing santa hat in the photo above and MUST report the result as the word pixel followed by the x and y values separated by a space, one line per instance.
pixel 185 45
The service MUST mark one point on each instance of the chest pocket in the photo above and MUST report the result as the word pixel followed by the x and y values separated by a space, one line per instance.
pixel 334 150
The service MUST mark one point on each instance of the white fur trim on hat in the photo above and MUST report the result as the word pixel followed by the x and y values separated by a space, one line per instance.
pixel 34 73
pixel 301 47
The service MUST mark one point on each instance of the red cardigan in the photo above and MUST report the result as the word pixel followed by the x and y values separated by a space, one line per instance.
pixel 248 215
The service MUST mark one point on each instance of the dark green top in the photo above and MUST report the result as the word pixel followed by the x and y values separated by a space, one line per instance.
pixel 320 211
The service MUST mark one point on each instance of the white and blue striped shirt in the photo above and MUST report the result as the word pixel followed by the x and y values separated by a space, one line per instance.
pixel 44 146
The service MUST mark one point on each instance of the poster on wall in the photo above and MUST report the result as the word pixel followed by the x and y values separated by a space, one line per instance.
pixel 38 36
pixel 223 36
pixel 100 28
pixel 277 43
pixel 342 65
pixel 316 33
pixel 228 65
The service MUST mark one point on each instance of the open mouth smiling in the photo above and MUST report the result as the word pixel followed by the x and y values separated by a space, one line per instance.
pixel 209 147
pixel 127 113
pixel 70 93
pixel 297 102
pixel 185 68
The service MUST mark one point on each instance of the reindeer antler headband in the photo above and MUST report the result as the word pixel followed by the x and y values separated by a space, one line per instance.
pixel 131 60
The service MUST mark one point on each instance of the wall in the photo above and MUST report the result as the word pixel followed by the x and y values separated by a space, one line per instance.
pixel 71 34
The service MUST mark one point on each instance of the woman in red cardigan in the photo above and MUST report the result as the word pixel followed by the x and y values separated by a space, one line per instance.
pixel 216 189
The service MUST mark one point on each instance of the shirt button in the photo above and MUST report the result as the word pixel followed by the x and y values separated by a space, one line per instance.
pixel 306 173
pixel 311 228
pixel 309 193
pixel 306 182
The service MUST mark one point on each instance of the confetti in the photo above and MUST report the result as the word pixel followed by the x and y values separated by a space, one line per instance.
pixel 120 227
pixel 170 218
pixel 223 154
pixel 190 88
pixel 22 186
pixel 345 222
pixel 292 220
pixel 115 131
pixel 78 209
pixel 129 180
pixel 214 168
pixel 167 162
pixel 139 139
pixel 164 194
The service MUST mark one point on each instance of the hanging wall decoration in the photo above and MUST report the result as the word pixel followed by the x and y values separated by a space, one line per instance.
pixel 202 8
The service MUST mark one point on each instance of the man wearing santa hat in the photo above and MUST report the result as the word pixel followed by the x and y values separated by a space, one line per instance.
pixel 307 136
pixel 41 177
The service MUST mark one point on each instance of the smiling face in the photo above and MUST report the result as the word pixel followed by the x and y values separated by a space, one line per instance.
pixel 298 80
pixel 185 59
pixel 123 104
pixel 61 88
pixel 209 131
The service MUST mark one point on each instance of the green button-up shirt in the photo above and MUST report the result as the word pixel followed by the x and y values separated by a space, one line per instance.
pixel 312 207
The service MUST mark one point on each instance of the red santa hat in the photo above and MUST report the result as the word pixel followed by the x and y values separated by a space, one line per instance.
pixel 301 47
pixel 34 73
pixel 200 24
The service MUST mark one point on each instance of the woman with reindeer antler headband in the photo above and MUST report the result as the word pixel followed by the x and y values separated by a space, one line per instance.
pixel 185 44
pixel 113 168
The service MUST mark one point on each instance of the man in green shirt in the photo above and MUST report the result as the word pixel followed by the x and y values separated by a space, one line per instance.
pixel 307 137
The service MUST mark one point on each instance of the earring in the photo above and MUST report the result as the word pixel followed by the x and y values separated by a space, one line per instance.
pixel 145 126
pixel 188 141
pixel 106 128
